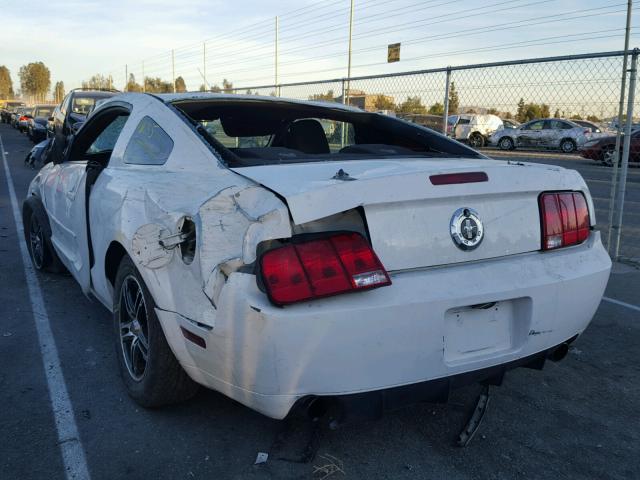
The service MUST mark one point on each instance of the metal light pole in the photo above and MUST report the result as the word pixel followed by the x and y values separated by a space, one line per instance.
pixel 625 151
pixel 349 61
pixel 276 57
pixel 173 70
pixel 204 64
pixel 616 152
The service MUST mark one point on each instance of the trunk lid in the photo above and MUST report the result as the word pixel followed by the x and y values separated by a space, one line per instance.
pixel 408 217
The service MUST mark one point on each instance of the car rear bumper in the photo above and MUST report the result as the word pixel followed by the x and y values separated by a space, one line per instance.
pixel 434 323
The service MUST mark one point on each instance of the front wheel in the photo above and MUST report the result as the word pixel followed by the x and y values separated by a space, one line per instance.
pixel 151 373
pixel 608 155
pixel 506 143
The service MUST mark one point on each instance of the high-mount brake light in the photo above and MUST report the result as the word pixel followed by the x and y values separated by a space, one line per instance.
pixel 321 267
pixel 565 219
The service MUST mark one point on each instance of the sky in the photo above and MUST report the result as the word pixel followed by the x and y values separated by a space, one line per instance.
pixel 77 39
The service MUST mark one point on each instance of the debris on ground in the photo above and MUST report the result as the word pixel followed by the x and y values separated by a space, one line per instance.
pixel 262 457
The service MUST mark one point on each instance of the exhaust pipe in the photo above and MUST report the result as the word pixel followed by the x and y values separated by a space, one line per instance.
pixel 559 352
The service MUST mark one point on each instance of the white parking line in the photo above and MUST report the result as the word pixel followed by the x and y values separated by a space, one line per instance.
pixel 622 304
pixel 71 449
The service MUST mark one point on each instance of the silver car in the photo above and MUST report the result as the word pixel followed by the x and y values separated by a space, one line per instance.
pixel 555 133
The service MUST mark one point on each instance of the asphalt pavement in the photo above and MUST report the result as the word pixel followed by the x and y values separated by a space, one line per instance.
pixel 575 419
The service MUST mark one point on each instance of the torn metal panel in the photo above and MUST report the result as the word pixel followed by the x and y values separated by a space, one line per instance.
pixel 232 224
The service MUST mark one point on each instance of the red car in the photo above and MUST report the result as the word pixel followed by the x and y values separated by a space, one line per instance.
pixel 602 149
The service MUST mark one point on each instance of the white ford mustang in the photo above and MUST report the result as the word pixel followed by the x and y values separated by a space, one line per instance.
pixel 291 253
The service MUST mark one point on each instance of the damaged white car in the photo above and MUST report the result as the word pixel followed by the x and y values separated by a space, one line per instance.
pixel 299 254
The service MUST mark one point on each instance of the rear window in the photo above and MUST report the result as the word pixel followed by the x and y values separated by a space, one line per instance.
pixel 263 132
pixel 149 144
pixel 43 111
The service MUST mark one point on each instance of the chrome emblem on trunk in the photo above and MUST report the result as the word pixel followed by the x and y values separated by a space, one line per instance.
pixel 466 228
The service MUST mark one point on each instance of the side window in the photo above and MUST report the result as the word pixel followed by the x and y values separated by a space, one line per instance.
pixel 149 144
pixel 65 104
pixel 534 126
pixel 108 137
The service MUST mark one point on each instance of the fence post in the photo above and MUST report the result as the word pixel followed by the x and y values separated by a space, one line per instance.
pixel 625 151
pixel 616 151
pixel 446 101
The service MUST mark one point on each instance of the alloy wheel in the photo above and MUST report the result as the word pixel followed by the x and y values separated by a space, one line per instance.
pixel 36 242
pixel 133 323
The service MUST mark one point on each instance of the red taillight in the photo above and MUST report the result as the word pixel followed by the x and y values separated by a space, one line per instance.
pixel 565 219
pixel 22 118
pixel 321 267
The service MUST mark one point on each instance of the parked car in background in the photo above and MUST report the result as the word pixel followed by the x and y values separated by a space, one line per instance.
pixel 37 123
pixel 72 112
pixel 345 278
pixel 552 133
pixel 602 149
pixel 7 109
pixel 474 129
pixel 434 122
pixel 20 117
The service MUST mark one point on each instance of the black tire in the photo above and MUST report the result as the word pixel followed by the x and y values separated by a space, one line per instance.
pixel 37 233
pixel 608 155
pixel 476 140
pixel 568 146
pixel 506 143
pixel 154 378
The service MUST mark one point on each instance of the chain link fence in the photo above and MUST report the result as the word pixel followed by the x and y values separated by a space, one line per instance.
pixel 578 87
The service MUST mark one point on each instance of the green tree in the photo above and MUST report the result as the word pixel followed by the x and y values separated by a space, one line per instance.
pixel 454 99
pixel 436 109
pixel 576 117
pixel 323 97
pixel 412 105
pixel 35 80
pixel 493 111
pixel 216 89
pixel 520 110
pixel 132 85
pixel 593 118
pixel 202 88
pixel 181 86
pixel 227 86
pixel 6 84
pixel 98 81
pixel 58 92
pixel 556 114
pixel 157 85
pixel 530 111
pixel 383 102
pixel 507 115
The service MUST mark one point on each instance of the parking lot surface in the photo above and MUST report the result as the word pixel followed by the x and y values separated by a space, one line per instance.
pixel 574 419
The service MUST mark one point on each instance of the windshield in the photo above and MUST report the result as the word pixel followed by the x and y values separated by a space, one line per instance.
pixel 264 132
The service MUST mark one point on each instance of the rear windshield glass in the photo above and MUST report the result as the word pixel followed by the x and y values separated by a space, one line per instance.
pixel 83 105
pixel 43 111
pixel 263 132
